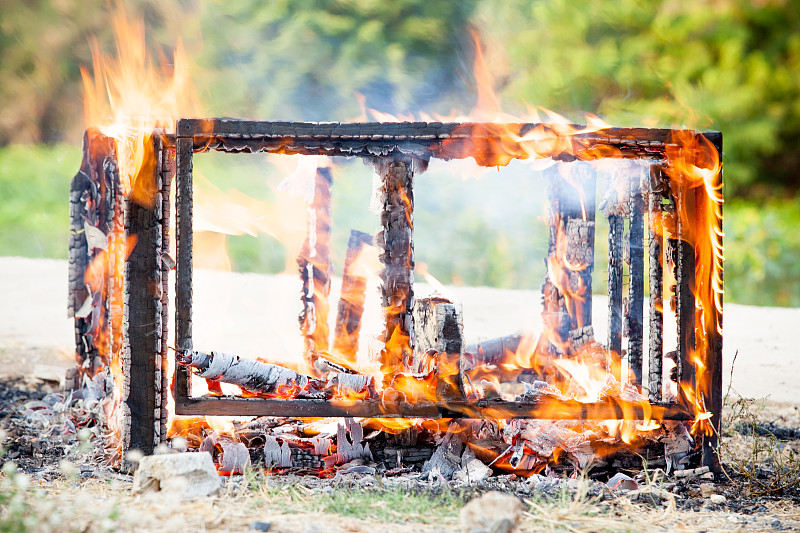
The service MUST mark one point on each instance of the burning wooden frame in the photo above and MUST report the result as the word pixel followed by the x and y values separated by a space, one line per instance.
pixel 398 151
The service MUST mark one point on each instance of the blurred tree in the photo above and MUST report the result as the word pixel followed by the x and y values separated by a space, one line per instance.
pixel 307 60
pixel 731 65
pixel 43 44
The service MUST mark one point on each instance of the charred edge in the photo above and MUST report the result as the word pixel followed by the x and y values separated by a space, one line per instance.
pixel 183 274
pixel 351 303
pixel 423 139
pixel 635 310
pixel 656 275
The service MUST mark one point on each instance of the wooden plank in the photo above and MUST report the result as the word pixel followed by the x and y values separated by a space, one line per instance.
pixel 635 309
pixel 616 228
pixel 549 408
pixel 142 318
pixel 656 285
pixel 183 272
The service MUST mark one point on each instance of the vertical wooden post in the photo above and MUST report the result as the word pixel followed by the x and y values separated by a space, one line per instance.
pixel 711 387
pixel 142 315
pixel 166 264
pixel 635 309
pixel 183 273
pixel 685 282
pixel 395 240
pixel 656 283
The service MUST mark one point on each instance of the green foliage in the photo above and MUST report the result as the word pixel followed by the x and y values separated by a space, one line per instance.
pixel 34 199
pixel 307 60
pixel 762 246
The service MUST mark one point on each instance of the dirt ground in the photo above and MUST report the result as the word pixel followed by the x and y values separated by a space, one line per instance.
pixel 68 491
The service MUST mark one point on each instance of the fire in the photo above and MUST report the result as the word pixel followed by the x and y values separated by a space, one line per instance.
pixel 131 99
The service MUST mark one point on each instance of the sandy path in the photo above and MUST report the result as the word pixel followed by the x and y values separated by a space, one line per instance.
pixel 255 314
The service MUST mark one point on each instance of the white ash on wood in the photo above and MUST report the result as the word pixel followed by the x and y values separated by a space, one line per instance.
pixel 439 333
pixel 250 375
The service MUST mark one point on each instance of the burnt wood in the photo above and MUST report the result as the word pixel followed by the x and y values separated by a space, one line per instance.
pixel 183 273
pixel 656 285
pixel 395 241
pixel 549 408
pixel 635 308
pixel 616 228
pixel 142 320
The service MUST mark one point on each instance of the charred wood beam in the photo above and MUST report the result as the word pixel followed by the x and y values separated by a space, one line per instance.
pixel 634 311
pixel 351 301
pixel 316 270
pixel 491 409
pixel 711 387
pixel 183 273
pixel 423 139
pixel 166 264
pixel 656 284
pixel 142 342
pixel 395 242
pixel 94 211
pixel 684 262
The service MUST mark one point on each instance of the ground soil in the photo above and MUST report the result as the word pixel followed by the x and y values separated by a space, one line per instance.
pixel 68 488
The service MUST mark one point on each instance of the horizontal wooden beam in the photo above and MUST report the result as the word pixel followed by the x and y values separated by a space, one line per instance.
pixel 546 408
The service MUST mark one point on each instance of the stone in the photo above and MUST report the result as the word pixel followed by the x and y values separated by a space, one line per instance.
pixel 493 512
pixel 472 469
pixel 707 489
pixel 191 474
pixel 717 499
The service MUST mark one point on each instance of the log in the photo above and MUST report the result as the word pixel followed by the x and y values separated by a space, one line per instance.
pixel 166 264
pixel 439 332
pixel 251 375
pixel 351 301
pixel 316 270
pixel 397 255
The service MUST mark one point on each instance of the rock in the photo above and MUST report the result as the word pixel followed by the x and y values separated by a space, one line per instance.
pixel 472 469
pixel 707 489
pixel 717 499
pixel 189 474
pixel 260 526
pixel 494 512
